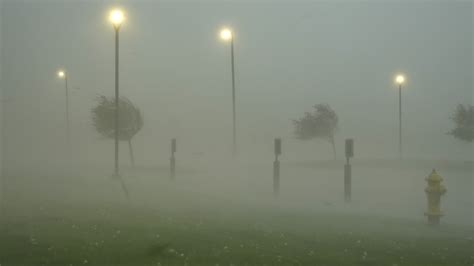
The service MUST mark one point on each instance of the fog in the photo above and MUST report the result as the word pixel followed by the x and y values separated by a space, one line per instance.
pixel 289 56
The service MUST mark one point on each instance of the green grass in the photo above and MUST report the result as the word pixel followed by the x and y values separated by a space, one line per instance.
pixel 87 221
pixel 132 235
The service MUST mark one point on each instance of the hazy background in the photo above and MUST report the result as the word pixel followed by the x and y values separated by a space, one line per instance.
pixel 290 55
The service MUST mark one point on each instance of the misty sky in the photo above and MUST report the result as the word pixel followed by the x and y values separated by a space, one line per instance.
pixel 289 56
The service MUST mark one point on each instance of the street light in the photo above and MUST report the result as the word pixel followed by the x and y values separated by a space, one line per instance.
pixel 63 75
pixel 116 17
pixel 400 80
pixel 227 35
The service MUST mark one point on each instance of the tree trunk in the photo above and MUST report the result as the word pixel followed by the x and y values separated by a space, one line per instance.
pixel 132 159
pixel 333 147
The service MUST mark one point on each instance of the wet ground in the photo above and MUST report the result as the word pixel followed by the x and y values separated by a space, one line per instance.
pixel 227 215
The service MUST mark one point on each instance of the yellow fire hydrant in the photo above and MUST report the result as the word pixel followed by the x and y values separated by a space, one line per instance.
pixel 434 190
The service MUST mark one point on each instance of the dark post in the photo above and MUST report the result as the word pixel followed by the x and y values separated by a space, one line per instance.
pixel 172 159
pixel 348 170
pixel 116 139
pixel 276 168
pixel 67 110
pixel 400 121
pixel 234 134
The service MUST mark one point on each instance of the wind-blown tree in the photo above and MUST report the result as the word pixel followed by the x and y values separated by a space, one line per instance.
pixel 130 120
pixel 463 118
pixel 321 123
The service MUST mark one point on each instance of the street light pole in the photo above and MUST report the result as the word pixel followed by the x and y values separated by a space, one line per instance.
pixel 228 35
pixel 116 17
pixel 400 79
pixel 67 111
pixel 116 139
pixel 64 75
pixel 400 121
pixel 234 135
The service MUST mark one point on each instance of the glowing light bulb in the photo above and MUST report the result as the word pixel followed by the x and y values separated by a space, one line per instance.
pixel 117 17
pixel 61 74
pixel 400 79
pixel 226 34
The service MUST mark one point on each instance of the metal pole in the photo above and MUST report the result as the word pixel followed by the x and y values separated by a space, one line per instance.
pixel 400 121
pixel 347 182
pixel 116 100
pixel 173 159
pixel 234 141
pixel 67 109
pixel 276 177
pixel 348 170
pixel 172 166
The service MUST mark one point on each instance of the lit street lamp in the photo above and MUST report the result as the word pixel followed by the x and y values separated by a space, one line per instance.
pixel 63 75
pixel 116 18
pixel 227 35
pixel 400 80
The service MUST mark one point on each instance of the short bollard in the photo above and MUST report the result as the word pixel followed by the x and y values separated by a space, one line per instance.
pixel 434 191
pixel 276 168
pixel 173 159
pixel 348 170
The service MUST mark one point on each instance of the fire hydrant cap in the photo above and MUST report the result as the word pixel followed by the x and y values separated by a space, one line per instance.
pixel 434 177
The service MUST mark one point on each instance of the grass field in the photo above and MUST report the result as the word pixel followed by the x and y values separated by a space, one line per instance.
pixel 88 221
pixel 138 237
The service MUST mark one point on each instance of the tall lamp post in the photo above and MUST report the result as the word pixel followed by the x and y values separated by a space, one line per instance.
pixel 116 18
pixel 400 80
pixel 227 35
pixel 63 75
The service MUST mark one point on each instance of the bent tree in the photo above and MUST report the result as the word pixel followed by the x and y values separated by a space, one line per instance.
pixel 463 119
pixel 130 120
pixel 321 123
